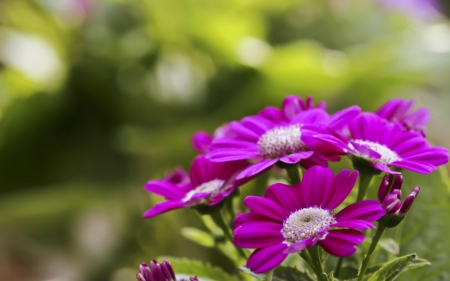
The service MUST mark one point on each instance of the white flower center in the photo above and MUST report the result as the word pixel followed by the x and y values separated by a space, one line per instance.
pixel 387 155
pixel 280 141
pixel 212 187
pixel 306 223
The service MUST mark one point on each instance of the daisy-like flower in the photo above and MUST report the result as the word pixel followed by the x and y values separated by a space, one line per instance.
pixel 291 218
pixel 158 272
pixel 276 135
pixel 381 144
pixel 209 183
pixel 399 110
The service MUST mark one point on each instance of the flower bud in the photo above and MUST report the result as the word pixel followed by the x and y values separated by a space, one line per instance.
pixel 409 201
pixel 384 187
pixel 397 182
pixel 392 202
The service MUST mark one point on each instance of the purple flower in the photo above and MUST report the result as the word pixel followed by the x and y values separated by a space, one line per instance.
pixel 209 183
pixel 158 272
pixel 381 144
pixel 399 110
pixel 289 219
pixel 390 197
pixel 275 135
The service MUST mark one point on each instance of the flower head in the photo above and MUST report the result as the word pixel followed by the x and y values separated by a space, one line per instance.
pixel 381 145
pixel 291 218
pixel 399 110
pixel 390 197
pixel 209 183
pixel 158 272
pixel 276 135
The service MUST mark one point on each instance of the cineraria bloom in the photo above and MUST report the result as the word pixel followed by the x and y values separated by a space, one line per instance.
pixel 398 110
pixel 158 272
pixel 381 144
pixel 275 135
pixel 291 218
pixel 209 183
pixel 201 140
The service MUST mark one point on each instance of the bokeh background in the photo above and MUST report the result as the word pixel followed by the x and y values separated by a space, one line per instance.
pixel 99 96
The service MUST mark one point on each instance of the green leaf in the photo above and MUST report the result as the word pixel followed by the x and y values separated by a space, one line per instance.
pixel 349 272
pixel 198 236
pixel 248 271
pixel 204 271
pixel 391 270
pixel 389 245
pixel 283 273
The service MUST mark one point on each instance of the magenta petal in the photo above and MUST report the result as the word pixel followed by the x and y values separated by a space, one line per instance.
pixel 343 184
pixel 356 224
pixel 299 246
pixel 365 150
pixel 265 259
pixel 250 217
pixel 284 195
pixel 266 207
pixel 317 186
pixel 384 168
pixel 256 168
pixel 324 144
pixel 296 157
pixel 243 131
pixel 314 116
pixel 433 155
pixel 342 242
pixel 343 117
pixel 257 236
pixel 228 155
pixel 271 113
pixel 367 210
pixel 164 188
pixel 163 207
pixel 201 141
pixel 418 167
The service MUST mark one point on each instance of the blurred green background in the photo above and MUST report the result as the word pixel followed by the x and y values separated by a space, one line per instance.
pixel 97 97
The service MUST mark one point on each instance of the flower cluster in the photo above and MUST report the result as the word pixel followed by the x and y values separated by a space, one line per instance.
pixel 302 216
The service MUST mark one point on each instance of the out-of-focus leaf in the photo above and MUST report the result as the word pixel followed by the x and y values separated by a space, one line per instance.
pixel 249 272
pixel 391 270
pixel 389 245
pixel 204 271
pixel 198 236
pixel 282 273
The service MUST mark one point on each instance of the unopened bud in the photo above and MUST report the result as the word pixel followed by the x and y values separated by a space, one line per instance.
pixel 397 182
pixel 392 202
pixel 409 201
pixel 384 187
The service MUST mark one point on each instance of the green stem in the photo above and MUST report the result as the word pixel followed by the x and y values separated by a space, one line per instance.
pixel 316 263
pixel 364 181
pixel 337 270
pixel 230 208
pixel 218 220
pixel 368 256
pixel 293 173
pixel 268 276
